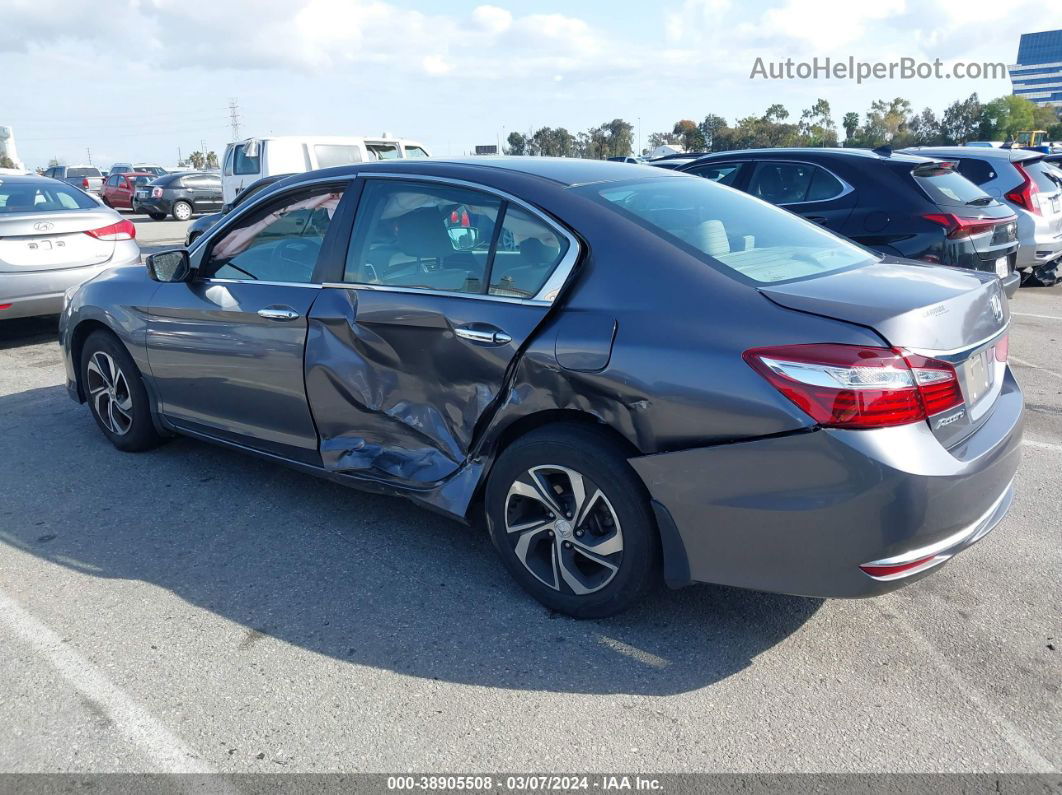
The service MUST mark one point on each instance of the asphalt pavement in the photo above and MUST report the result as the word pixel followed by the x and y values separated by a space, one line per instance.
pixel 195 609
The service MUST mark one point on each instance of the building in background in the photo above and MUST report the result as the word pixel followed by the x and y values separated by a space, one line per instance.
pixel 7 147
pixel 1037 75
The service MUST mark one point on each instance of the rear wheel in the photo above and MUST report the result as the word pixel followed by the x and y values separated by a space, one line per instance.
pixel 571 521
pixel 182 210
pixel 116 394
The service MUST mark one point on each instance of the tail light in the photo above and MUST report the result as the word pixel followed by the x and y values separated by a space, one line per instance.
pixel 156 193
pixel 1003 348
pixel 122 230
pixel 894 571
pixel 850 386
pixel 958 228
pixel 1027 194
pixel 85 183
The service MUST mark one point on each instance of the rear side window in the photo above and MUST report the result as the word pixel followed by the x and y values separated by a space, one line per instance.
pixel 415 151
pixel 824 186
pixel 242 163
pixel 734 233
pixel 781 183
pixel 723 173
pixel 24 197
pixel 528 251
pixel 83 172
pixel 946 187
pixel 329 155
pixel 978 172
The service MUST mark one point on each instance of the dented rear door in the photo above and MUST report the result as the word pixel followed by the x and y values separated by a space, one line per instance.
pixel 408 351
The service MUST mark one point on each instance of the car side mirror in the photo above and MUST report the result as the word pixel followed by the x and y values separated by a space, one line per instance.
pixel 169 266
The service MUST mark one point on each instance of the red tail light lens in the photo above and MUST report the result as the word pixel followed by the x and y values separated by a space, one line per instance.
pixel 850 386
pixel 897 570
pixel 1027 194
pixel 958 228
pixel 84 183
pixel 123 230
pixel 156 193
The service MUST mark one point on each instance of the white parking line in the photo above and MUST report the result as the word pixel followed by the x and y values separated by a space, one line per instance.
pixel 165 752
pixel 1030 314
pixel 1008 730
pixel 1032 366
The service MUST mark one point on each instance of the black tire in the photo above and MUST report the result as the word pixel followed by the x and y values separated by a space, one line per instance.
pixel 130 428
pixel 157 216
pixel 181 208
pixel 601 464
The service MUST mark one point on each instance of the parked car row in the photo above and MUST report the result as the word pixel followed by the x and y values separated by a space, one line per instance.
pixel 630 374
pixel 986 209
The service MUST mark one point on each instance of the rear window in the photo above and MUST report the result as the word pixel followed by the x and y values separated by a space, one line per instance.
pixel 83 172
pixel 242 163
pixel 738 235
pixel 1039 174
pixel 415 151
pixel 329 155
pixel 946 187
pixel 384 151
pixel 26 197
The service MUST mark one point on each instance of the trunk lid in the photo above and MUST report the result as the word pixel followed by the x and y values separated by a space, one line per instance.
pixel 48 241
pixel 950 314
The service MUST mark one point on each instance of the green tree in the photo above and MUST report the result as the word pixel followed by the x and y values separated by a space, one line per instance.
pixel 517 143
pixel 850 124
pixel 925 129
pixel 689 135
pixel 662 139
pixel 816 125
pixel 776 113
pixel 212 159
pixel 710 128
pixel 1003 117
pixel 197 159
pixel 962 120
pixel 6 162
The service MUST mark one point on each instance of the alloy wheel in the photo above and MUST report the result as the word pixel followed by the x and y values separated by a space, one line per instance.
pixel 182 211
pixel 563 529
pixel 109 392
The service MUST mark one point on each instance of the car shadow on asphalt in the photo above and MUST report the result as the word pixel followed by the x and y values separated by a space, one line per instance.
pixel 28 331
pixel 364 578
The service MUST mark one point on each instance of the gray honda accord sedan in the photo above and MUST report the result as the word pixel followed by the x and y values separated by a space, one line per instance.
pixel 630 375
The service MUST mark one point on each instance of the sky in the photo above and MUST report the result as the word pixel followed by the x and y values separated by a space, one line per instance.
pixel 141 80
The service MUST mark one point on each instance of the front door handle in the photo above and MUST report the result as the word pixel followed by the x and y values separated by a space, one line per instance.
pixel 488 335
pixel 278 313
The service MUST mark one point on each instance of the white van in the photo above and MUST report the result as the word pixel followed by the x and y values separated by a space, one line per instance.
pixel 251 159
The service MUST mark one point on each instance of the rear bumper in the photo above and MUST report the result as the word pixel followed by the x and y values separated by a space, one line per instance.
pixel 41 292
pixel 800 514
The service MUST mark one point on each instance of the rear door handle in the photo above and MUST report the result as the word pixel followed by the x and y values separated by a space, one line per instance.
pixel 816 219
pixel 487 335
pixel 283 313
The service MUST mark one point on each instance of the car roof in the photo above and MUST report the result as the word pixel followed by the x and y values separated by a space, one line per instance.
pixel 563 170
pixel 822 151
pixel 982 152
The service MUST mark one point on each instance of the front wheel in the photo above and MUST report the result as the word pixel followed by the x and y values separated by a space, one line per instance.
pixel 182 211
pixel 157 216
pixel 116 394
pixel 571 521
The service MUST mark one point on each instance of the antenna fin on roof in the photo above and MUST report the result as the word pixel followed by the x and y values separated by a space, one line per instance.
pixel 884 151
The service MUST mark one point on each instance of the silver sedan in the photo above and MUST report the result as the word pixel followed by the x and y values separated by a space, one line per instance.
pixel 54 237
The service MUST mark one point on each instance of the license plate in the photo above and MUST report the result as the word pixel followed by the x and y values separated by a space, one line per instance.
pixel 978 376
pixel 1002 268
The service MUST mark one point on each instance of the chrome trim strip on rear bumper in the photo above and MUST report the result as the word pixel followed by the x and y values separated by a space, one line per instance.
pixel 945 548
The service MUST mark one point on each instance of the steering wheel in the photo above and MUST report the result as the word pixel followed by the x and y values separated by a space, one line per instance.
pixel 296 255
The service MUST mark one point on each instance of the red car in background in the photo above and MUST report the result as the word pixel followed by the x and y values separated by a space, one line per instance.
pixel 118 188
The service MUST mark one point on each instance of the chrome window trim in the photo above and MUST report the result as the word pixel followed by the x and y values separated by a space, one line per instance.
pixel 212 280
pixel 549 291
pixel 383 288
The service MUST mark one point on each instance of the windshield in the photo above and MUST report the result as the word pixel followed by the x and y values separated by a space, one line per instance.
pixel 36 197
pixel 739 235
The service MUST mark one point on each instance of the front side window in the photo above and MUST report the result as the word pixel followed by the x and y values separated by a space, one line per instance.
pixel 242 163
pixel 732 232
pixel 280 244
pixel 329 155
pixel 421 235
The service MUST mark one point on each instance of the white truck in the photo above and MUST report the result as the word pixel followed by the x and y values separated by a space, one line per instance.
pixel 249 160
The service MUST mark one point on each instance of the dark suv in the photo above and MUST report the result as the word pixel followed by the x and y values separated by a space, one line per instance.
pixel 180 195
pixel 902 205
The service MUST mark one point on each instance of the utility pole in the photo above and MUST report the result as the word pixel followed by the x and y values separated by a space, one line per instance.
pixel 234 118
pixel 202 148
pixel 88 151
pixel 179 158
